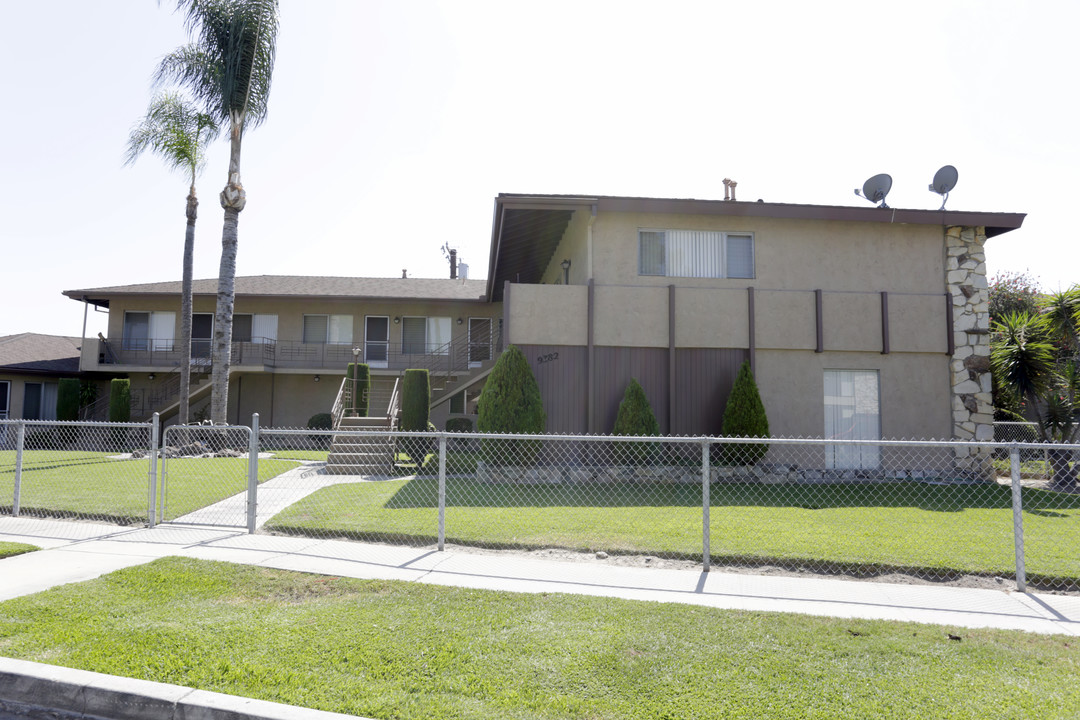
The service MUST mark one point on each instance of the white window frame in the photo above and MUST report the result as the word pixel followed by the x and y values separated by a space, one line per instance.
pixel 6 407
pixel 722 237
pixel 384 345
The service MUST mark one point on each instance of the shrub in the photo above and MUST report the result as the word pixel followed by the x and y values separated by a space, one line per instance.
pixel 415 400
pixel 320 421
pixel 744 416
pixel 510 403
pixel 363 384
pixel 120 400
pixel 459 425
pixel 67 399
pixel 635 418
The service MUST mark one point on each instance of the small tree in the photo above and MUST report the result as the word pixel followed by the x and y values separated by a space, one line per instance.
pixel 744 416
pixel 415 404
pixel 362 376
pixel 511 403
pixel 635 418
pixel 67 399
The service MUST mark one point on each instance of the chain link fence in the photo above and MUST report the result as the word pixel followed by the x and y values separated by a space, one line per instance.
pixel 935 511
pixel 78 470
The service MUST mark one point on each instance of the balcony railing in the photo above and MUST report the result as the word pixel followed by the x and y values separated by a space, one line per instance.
pixel 456 356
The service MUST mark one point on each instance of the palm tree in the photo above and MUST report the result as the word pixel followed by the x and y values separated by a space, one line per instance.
pixel 228 67
pixel 178 133
pixel 1033 356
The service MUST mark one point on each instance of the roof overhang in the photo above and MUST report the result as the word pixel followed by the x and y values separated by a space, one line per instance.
pixel 526 229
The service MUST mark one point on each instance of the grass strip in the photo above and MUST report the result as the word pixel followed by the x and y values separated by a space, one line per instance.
pixel 100 486
pixel 941 530
pixel 406 650
pixel 9 549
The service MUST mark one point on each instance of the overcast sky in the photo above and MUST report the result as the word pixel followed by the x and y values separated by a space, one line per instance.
pixel 394 124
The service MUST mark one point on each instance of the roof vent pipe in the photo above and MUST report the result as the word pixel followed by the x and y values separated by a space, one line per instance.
pixel 404 273
pixel 729 187
pixel 453 264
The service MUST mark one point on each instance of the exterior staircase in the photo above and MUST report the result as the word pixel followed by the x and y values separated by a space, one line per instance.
pixel 453 384
pixel 364 450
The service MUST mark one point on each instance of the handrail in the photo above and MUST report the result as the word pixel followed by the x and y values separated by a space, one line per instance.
pixel 337 412
pixel 110 356
pixel 392 408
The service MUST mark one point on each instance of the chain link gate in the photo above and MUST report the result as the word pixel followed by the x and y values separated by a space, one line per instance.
pixel 207 476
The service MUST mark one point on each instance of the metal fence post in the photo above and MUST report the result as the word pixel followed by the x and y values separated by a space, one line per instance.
pixel 253 472
pixel 706 551
pixel 155 428
pixel 442 492
pixel 1018 518
pixel 20 440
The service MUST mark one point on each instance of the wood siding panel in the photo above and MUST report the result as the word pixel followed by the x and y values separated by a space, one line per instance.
pixel 560 373
pixel 614 368
pixel 703 381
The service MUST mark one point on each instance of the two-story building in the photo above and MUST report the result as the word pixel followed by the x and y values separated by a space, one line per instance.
pixel 859 322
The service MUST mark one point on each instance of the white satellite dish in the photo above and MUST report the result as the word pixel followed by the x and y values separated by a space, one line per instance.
pixel 876 188
pixel 944 182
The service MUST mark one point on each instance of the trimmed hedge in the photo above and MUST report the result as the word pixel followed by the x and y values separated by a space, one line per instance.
pixel 636 418
pixel 510 403
pixel 67 399
pixel 320 421
pixel 459 425
pixel 120 400
pixel 363 385
pixel 415 400
pixel 744 416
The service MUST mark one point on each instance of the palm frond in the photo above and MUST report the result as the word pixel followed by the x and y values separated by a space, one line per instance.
pixel 1062 312
pixel 1022 357
pixel 176 131
pixel 230 63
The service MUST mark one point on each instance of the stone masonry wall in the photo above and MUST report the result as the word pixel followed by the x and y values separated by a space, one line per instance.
pixel 972 404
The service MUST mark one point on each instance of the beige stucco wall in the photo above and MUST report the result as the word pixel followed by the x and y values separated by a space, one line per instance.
pixel 785 319
pixel 709 318
pixel 548 314
pixel 789 254
pixel 631 316
pixel 918 323
pixel 792 386
pixel 851 321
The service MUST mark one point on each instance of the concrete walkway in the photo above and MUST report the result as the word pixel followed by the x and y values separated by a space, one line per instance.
pixel 80 551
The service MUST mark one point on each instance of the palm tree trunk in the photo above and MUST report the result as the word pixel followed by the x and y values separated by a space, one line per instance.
pixel 233 200
pixel 185 306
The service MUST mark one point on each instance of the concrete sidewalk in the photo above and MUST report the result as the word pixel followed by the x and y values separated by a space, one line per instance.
pixel 80 551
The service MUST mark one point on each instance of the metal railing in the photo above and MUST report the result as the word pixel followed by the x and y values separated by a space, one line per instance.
pixel 906 510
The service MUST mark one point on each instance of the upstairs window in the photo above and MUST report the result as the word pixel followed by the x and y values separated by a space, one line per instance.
pixel 329 329
pixel 695 253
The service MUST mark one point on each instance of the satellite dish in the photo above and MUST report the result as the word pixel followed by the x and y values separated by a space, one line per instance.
pixel 944 182
pixel 876 188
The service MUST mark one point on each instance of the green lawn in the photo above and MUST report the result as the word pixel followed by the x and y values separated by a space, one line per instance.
pixel 96 486
pixel 937 529
pixel 7 549
pixel 407 650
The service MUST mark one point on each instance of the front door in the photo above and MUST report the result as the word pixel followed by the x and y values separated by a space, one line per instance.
pixel 202 337
pixel 376 340
pixel 479 340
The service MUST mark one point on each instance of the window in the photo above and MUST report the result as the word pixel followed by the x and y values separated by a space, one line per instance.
pixel 39 401
pixel 376 340
pixel 423 335
pixel 256 328
pixel 149 330
pixel 5 395
pixel 331 329
pixel 852 412
pixel 695 253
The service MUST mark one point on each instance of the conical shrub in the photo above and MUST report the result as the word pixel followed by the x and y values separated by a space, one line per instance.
pixel 510 403
pixel 635 418
pixel 744 416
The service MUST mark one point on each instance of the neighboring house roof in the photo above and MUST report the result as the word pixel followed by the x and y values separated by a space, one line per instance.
pixel 39 354
pixel 301 286
pixel 527 228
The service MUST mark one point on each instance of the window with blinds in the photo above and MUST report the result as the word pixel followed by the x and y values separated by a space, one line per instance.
pixel 695 254
pixel 332 329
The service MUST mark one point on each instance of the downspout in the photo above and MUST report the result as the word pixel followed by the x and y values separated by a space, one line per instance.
pixel 588 244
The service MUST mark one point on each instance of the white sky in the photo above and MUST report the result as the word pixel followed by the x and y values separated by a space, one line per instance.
pixel 393 125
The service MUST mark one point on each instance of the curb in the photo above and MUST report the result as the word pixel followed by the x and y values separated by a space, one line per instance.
pixel 32 688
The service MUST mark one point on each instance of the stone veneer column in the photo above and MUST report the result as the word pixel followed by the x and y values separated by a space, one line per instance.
pixel 972 403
